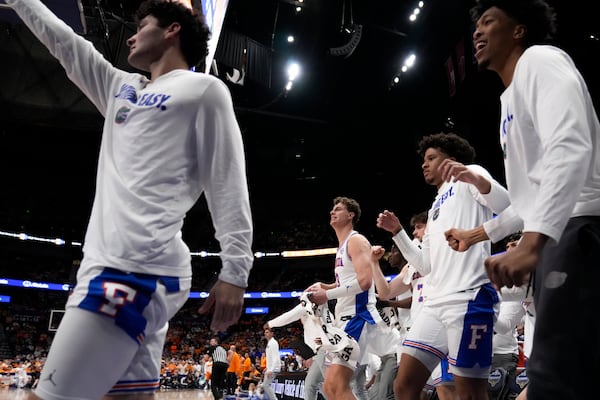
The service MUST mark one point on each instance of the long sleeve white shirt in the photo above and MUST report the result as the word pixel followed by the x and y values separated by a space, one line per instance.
pixel 550 135
pixel 273 357
pixel 457 205
pixel 164 144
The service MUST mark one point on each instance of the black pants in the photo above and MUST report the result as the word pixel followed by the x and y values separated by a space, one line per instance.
pixel 565 357
pixel 217 379
pixel 232 381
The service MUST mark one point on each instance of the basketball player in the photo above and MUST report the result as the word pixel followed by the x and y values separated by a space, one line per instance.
pixel 355 309
pixel 550 135
pixel 169 136
pixel 458 316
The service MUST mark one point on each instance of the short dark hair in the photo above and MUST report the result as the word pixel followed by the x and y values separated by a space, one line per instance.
pixel 352 206
pixel 514 237
pixel 537 16
pixel 194 34
pixel 450 144
pixel 420 218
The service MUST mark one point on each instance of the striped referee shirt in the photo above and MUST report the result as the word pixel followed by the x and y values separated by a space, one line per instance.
pixel 219 354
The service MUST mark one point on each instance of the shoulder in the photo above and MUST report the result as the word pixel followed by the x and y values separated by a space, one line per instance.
pixel 542 52
pixel 544 61
pixel 199 84
pixel 358 239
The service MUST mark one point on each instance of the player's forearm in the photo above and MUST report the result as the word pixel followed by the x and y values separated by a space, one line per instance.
pixel 381 284
pixel 506 223
pixel 287 317
pixel 404 303
pixel 533 242
pixel 476 235
pixel 351 288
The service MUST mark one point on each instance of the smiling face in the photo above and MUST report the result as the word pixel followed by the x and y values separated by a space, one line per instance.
pixel 431 162
pixel 496 37
pixel 340 216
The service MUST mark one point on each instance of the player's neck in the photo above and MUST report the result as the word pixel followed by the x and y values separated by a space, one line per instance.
pixel 342 233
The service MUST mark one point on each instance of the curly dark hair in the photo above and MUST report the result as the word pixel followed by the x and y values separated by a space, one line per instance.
pixel 351 205
pixel 537 16
pixel 450 144
pixel 194 34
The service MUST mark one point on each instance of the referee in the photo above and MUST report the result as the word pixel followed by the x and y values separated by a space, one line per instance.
pixel 219 369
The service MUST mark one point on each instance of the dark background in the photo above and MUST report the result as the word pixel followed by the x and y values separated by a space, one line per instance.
pixel 344 129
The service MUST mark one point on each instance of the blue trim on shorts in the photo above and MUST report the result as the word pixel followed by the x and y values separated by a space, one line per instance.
pixel 478 330
pixel 128 387
pixel 355 325
pixel 447 376
pixel 122 296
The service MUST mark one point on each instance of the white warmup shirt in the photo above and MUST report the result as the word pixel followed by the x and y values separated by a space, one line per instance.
pixel 457 205
pixel 164 144
pixel 550 134
pixel 361 304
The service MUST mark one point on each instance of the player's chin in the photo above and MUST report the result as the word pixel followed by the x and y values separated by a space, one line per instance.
pixel 136 62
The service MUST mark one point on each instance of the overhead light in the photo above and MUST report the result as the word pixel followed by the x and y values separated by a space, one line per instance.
pixel 293 71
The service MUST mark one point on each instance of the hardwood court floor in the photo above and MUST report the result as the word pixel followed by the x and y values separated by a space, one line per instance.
pixel 172 394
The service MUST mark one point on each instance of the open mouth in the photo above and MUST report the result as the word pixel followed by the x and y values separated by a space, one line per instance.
pixel 479 46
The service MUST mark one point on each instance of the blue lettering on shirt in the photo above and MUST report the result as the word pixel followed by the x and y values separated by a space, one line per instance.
pixel 154 100
pixel 449 193
pixel 158 100
pixel 127 92
pixel 504 130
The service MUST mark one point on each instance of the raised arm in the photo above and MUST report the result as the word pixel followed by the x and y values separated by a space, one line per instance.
pixel 386 290
pixel 415 256
pixel 286 318
pixel 84 65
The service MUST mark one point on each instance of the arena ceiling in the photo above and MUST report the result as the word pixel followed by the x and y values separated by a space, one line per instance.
pixel 344 129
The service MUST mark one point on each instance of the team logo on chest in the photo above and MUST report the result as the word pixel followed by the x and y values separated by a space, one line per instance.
pixel 122 114
pixel 441 200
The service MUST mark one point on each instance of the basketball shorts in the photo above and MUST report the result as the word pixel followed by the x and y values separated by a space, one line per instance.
pixel 460 328
pixel 111 338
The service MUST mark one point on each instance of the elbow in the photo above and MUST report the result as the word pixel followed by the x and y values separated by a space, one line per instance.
pixel 365 284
